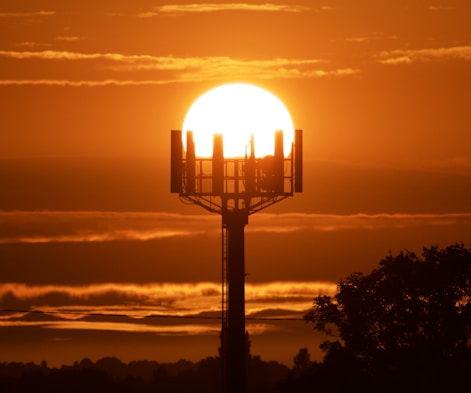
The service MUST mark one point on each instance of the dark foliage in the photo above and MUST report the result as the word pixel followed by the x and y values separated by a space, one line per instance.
pixel 404 327
pixel 112 375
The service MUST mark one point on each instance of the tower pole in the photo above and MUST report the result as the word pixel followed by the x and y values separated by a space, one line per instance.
pixel 235 188
pixel 235 342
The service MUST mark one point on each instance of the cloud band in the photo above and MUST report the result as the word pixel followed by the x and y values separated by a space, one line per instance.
pixel 94 226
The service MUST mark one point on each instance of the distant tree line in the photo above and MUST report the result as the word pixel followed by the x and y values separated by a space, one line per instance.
pixel 112 375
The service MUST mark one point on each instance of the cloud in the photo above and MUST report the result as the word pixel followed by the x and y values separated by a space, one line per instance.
pixel 284 223
pixel 113 299
pixel 166 296
pixel 441 8
pixel 67 55
pixel 288 295
pixel 49 226
pixel 175 69
pixel 179 329
pixel 369 37
pixel 69 38
pixel 26 14
pixel 180 9
pixel 90 226
pixel 425 55
pixel 148 62
pixel 83 83
pixel 221 68
pixel 34 44
pixel 162 308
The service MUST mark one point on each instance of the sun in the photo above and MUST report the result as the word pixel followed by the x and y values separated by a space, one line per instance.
pixel 238 111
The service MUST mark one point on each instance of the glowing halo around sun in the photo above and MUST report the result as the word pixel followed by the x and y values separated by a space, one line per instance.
pixel 237 111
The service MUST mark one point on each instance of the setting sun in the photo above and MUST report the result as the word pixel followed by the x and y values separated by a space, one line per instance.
pixel 237 111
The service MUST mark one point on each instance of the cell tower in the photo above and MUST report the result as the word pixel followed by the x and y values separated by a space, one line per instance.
pixel 235 188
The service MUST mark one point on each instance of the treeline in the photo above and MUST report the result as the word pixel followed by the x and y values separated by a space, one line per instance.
pixel 112 375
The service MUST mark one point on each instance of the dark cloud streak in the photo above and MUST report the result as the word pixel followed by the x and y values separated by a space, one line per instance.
pixel 76 226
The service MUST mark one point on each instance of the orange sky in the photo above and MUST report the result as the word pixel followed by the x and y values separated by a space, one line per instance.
pixel 89 93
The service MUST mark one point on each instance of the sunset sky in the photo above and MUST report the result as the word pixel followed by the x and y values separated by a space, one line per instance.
pixel 89 93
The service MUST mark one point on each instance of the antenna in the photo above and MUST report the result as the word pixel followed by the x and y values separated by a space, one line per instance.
pixel 235 188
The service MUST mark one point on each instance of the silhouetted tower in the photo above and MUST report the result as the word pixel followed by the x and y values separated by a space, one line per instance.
pixel 235 188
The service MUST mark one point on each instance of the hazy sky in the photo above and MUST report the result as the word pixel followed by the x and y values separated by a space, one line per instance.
pixel 89 93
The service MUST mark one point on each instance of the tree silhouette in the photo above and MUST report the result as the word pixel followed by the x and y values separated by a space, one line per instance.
pixel 302 361
pixel 406 324
pixel 110 374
